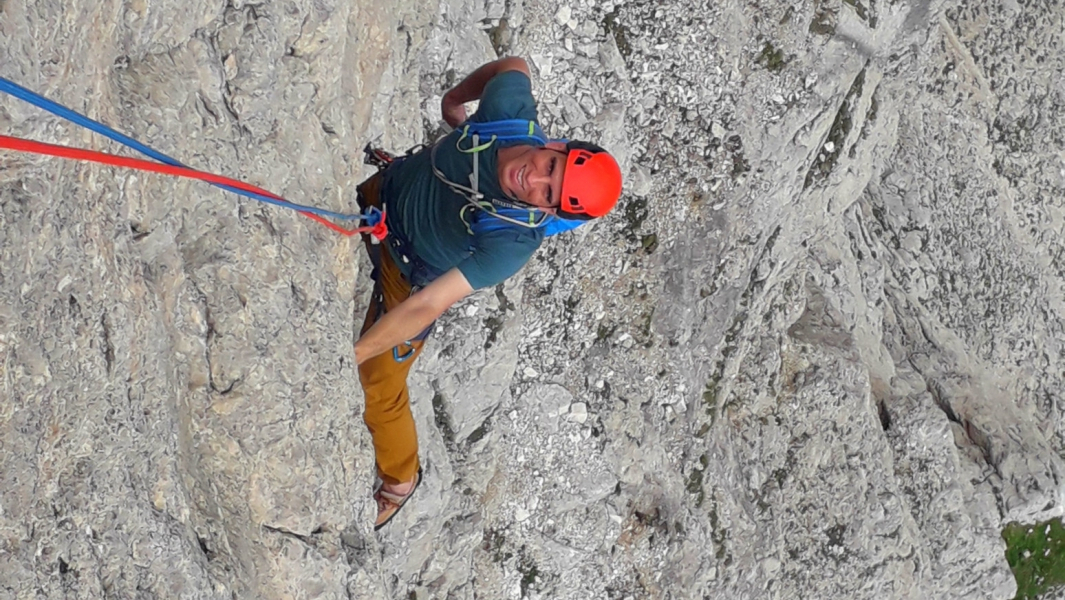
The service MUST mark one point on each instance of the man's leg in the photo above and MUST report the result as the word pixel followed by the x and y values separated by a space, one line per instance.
pixel 384 381
pixel 383 378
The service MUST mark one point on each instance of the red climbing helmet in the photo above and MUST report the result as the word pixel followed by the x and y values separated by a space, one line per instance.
pixel 592 182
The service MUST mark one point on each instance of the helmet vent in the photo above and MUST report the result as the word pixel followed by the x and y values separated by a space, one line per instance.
pixel 579 161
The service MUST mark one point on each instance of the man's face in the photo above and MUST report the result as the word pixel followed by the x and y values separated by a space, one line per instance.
pixel 534 175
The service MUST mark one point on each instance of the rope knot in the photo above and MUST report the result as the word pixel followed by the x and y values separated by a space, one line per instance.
pixel 379 230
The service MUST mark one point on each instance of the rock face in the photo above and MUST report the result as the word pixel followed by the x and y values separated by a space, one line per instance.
pixel 815 353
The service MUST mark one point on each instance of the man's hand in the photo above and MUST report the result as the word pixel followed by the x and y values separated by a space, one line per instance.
pixel 454 112
pixel 469 89
pixel 413 315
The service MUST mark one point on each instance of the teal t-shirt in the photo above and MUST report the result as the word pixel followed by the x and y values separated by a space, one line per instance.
pixel 426 213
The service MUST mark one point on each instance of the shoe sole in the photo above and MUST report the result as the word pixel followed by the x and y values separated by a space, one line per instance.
pixel 417 483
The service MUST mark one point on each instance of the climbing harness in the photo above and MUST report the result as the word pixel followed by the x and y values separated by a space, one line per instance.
pixel 421 273
pixel 382 159
pixel 374 219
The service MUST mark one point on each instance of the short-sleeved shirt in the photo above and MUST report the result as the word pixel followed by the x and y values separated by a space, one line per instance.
pixel 425 212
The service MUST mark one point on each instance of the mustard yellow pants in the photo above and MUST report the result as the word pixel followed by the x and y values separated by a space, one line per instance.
pixel 383 378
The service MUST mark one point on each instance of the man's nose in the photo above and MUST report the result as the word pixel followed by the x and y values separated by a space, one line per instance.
pixel 538 176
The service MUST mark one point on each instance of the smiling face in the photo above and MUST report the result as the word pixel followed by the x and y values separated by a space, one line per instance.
pixel 533 175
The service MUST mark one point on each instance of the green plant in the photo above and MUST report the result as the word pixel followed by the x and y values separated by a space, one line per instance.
pixel 1036 554
pixel 772 57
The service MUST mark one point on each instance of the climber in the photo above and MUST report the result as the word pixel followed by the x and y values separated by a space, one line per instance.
pixel 463 214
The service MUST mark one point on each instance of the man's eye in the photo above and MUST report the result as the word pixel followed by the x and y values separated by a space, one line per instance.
pixel 550 172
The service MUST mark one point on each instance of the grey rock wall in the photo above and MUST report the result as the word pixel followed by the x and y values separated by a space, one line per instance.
pixel 814 353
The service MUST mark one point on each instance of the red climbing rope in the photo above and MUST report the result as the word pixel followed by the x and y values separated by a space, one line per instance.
pixel 377 229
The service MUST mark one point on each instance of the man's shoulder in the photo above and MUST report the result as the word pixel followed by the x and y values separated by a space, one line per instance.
pixel 500 253
pixel 500 234
pixel 508 95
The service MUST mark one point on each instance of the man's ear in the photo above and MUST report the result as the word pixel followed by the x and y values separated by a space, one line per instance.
pixel 556 145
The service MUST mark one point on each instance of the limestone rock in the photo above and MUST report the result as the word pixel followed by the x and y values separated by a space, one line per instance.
pixel 813 353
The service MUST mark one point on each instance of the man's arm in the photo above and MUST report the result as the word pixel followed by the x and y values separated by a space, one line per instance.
pixel 412 315
pixel 471 88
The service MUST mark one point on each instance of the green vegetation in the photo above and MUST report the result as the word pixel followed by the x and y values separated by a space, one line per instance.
pixel 636 213
pixel 694 484
pixel 478 434
pixel 788 14
pixel 644 327
pixel 841 126
pixel 494 543
pixel 649 242
pixel 859 9
pixel 772 57
pixel 443 422
pixel 530 575
pixel 710 398
pixel 740 165
pixel 825 19
pixel 603 333
pixel 494 324
pixel 620 33
pixel 501 36
pixel 718 533
pixel 1036 554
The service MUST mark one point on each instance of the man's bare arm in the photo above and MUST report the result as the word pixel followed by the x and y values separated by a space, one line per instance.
pixel 471 88
pixel 413 315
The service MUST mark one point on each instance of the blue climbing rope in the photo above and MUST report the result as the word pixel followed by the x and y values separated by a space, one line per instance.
pixel 9 87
